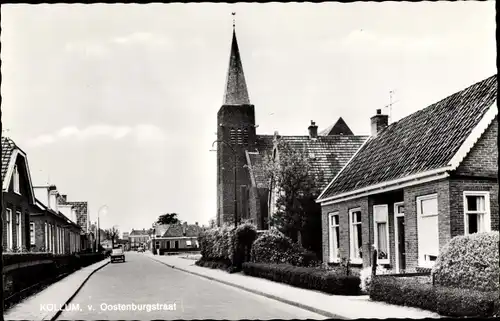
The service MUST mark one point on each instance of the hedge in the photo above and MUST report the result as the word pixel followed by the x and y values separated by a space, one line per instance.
pixel 452 302
pixel 470 262
pixel 305 277
pixel 222 264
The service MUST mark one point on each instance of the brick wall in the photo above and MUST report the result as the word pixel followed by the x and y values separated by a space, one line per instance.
pixel 457 188
pixel 441 188
pixel 232 118
pixel 343 209
pixel 16 203
pixel 482 160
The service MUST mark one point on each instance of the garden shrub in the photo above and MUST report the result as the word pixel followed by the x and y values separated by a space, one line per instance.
pixel 470 262
pixel 305 277
pixel 217 244
pixel 272 246
pixel 452 302
pixel 365 276
pixel 245 235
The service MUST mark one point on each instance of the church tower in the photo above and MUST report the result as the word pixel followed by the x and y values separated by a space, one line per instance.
pixel 235 134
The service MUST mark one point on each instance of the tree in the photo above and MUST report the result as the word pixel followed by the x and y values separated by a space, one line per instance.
pixel 212 223
pixel 168 218
pixel 112 234
pixel 295 185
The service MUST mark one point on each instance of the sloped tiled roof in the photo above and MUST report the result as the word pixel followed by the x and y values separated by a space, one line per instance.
pixel 139 233
pixel 422 141
pixel 328 154
pixel 177 230
pixel 8 147
pixel 174 230
pixel 339 128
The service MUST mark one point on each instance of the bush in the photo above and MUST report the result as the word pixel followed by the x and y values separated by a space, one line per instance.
pixel 365 276
pixel 452 302
pixel 470 262
pixel 245 235
pixel 217 244
pixel 305 277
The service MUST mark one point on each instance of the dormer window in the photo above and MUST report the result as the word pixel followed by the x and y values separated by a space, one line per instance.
pixel 15 177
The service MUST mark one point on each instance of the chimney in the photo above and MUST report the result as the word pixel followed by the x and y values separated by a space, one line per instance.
pixel 53 198
pixel 313 130
pixel 378 123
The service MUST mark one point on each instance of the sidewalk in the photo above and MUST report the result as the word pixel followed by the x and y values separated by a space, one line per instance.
pixel 45 304
pixel 333 306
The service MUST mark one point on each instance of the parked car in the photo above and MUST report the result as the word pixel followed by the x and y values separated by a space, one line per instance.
pixel 117 255
pixel 140 249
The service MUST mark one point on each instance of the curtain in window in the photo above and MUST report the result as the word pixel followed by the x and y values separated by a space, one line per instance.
pixel 357 241
pixel 382 245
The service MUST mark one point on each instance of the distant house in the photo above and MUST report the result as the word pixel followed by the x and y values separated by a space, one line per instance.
pixel 417 183
pixel 55 225
pixel 18 195
pixel 240 151
pixel 52 231
pixel 176 237
pixel 82 218
pixel 139 238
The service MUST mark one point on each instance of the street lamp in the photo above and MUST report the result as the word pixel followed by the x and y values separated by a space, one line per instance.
pixel 104 207
pixel 235 176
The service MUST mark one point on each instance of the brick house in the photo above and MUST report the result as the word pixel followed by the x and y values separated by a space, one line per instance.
pixel 52 231
pixel 55 225
pixel 240 151
pixel 417 183
pixel 175 237
pixel 82 219
pixel 18 197
pixel 139 238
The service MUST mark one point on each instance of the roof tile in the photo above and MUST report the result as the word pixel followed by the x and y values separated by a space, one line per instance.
pixel 422 141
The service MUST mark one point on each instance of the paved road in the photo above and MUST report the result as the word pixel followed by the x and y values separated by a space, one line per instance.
pixel 140 280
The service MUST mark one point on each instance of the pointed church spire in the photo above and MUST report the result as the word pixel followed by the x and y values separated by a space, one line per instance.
pixel 236 88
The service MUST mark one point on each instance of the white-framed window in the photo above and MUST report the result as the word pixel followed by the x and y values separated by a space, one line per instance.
pixel 381 233
pixel 428 229
pixel 188 243
pixel 15 177
pixel 477 212
pixel 334 237
pixel 355 235
pixel 19 231
pixel 32 233
pixel 9 228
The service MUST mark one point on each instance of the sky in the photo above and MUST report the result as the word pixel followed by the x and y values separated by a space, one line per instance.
pixel 116 104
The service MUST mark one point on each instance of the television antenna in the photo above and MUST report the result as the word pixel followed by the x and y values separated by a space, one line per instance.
pixel 391 102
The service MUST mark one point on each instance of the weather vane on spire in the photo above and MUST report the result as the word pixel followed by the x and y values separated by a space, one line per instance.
pixel 234 23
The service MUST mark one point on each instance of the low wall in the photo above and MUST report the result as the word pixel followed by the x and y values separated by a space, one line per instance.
pixel 26 273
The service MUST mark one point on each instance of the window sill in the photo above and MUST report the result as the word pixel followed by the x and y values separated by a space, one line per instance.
pixel 384 262
pixel 356 261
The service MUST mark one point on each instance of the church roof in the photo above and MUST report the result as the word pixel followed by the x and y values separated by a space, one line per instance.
pixel 328 154
pixel 236 92
pixel 339 128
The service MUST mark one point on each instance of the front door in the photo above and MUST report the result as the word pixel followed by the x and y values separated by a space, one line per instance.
pixel 176 245
pixel 400 237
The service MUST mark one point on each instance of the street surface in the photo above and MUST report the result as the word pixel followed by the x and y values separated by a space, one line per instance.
pixel 151 285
